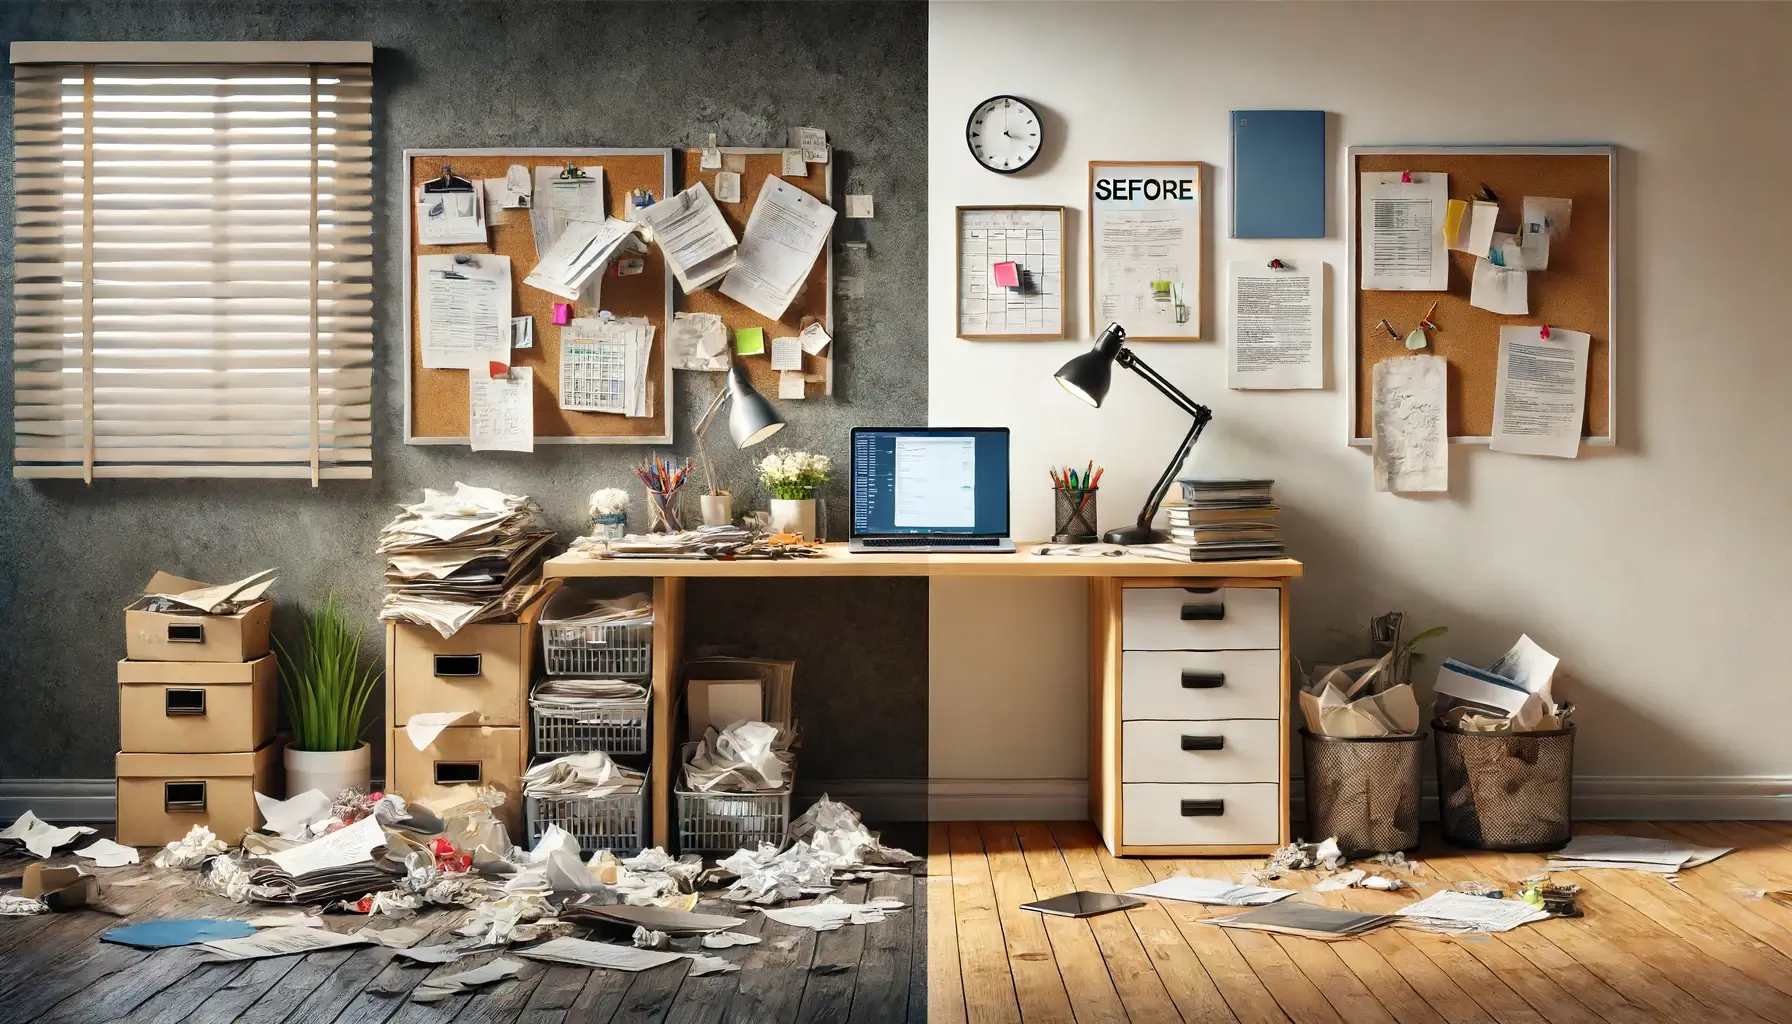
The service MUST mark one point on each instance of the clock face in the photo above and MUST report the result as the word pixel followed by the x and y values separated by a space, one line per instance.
pixel 1004 134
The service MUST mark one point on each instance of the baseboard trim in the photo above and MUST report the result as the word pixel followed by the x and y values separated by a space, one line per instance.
pixel 1612 797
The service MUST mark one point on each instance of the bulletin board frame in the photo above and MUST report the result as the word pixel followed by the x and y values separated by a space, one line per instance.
pixel 1063 214
pixel 1473 364
pixel 660 313
pixel 1197 225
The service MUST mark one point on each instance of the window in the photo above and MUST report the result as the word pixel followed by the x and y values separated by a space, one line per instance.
pixel 193 289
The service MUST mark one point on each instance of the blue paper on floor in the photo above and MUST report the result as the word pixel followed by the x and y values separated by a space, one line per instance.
pixel 179 932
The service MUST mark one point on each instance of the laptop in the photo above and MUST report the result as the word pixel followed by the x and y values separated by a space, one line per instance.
pixel 929 489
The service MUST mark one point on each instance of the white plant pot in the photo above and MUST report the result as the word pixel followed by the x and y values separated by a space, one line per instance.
pixel 794 515
pixel 718 509
pixel 328 771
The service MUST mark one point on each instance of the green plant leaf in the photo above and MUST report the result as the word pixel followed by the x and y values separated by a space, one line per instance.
pixel 326 689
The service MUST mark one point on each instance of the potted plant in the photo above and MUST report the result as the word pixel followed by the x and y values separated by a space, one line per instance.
pixel 792 477
pixel 325 690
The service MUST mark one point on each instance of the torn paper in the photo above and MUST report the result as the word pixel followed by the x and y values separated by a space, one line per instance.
pixel 423 727
pixel 292 818
pixel 432 990
pixel 40 838
pixel 1411 447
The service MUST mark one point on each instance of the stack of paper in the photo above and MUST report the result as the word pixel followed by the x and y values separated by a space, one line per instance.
pixel 341 865
pixel 1215 892
pixel 696 239
pixel 1460 912
pixel 593 693
pixel 1662 856
pixel 587 775
pixel 467 556
pixel 603 366
pixel 1305 919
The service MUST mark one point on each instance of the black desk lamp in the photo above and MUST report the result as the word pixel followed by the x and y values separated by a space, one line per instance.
pixel 1088 376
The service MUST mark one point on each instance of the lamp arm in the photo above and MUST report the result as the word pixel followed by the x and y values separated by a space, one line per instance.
pixel 1132 362
pixel 1201 413
pixel 703 425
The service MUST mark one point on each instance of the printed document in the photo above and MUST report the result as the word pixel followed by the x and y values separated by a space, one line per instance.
pixel 560 202
pixel 581 252
pixel 1539 397
pixel 603 365
pixel 784 234
pixel 1411 446
pixel 353 844
pixel 1277 329
pixel 451 218
pixel 936 482
pixel 1403 232
pixel 698 243
pixel 464 311
pixel 500 418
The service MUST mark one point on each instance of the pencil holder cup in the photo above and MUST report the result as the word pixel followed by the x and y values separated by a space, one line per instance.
pixel 1075 515
pixel 663 513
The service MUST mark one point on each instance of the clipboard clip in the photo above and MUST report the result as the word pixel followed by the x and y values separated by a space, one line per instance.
pixel 1279 265
pixel 460 260
pixel 447 183
pixel 573 173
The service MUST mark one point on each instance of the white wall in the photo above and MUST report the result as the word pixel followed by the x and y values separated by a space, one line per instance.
pixel 1659 572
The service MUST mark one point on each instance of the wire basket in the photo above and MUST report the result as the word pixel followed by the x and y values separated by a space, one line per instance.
pixel 568 728
pixel 1505 790
pixel 725 822
pixel 617 822
pixel 1364 790
pixel 606 650
pixel 1075 515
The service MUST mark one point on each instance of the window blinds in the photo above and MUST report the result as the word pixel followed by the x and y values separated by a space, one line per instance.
pixel 193 282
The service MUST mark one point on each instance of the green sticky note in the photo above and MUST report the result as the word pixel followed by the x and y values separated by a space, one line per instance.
pixel 749 341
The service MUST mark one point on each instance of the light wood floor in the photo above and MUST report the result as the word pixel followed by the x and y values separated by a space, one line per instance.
pixel 1704 949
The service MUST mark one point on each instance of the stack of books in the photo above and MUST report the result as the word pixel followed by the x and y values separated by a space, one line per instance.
pixel 1222 521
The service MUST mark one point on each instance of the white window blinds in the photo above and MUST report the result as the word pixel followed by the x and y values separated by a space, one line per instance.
pixel 193 276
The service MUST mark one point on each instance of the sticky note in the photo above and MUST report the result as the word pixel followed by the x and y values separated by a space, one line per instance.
pixel 813 339
pixel 1007 274
pixel 858 207
pixel 1453 220
pixel 728 187
pixel 749 341
pixel 562 313
pixel 787 354
pixel 736 162
pixel 790 384
pixel 794 164
pixel 712 159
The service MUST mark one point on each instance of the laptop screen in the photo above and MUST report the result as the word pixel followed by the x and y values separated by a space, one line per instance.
pixel 930 481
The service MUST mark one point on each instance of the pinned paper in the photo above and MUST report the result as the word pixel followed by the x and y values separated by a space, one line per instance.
pixel 522 332
pixel 1474 229
pixel 424 726
pixel 858 207
pixel 794 164
pixel 1529 251
pixel 501 411
pixel 787 354
pixel 1548 216
pixel 519 188
pixel 791 384
pixel 1499 290
pixel 813 339
pixel 736 162
pixel 712 155
pixel 1007 273
pixel 749 341
pixel 1453 214
pixel 698 341
pixel 812 142
pixel 728 187
pixel 562 313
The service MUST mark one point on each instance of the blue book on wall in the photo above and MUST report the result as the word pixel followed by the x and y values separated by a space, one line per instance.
pixel 1278 174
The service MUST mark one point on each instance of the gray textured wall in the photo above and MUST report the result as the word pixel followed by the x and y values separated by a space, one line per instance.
pixel 519 73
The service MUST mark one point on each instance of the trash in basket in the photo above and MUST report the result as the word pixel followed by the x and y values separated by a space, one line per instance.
pixel 1364 791
pixel 602 804
pixel 1506 790
pixel 572 716
pixel 584 634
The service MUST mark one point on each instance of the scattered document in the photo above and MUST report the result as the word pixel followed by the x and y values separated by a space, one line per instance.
pixel 107 854
pixel 582 251
pixel 500 416
pixel 794 166
pixel 1499 290
pixel 1277 327
pixel 1461 912
pixel 1411 446
pixel 814 339
pixel 691 231
pixel 1539 397
pixel 830 913
pixel 1402 230
pixel 451 218
pixel 791 385
pixel 292 818
pixel 603 365
pixel 424 726
pixel 1216 892
pixel 269 942
pixel 352 844
pixel 1307 919
pixel 812 143
pixel 585 953
pixel 787 354
pixel 784 235
pixel 1662 856
pixel 1470 225
pixel 434 990
pixel 1548 216
pixel 38 837
pixel 728 187
pixel 698 341
pixel 437 954
pixel 464 319
pixel 859 207
pixel 522 332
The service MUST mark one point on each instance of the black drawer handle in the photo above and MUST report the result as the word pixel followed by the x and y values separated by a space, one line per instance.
pixel 1204 612
pixel 183 796
pixel 1195 679
pixel 1203 808
pixel 183 701
pixel 459 773
pixel 459 665
pixel 186 632
pixel 1203 742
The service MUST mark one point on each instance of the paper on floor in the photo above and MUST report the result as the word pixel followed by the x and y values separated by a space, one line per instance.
pixel 353 844
pixel 1213 892
pixel 1461 912
pixel 293 817
pixel 436 989
pixel 585 953
pixel 831 913
pixel 107 854
pixel 38 837
pixel 283 942
pixel 1664 856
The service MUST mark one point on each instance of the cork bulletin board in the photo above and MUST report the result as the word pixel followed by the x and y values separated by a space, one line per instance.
pixel 1576 292
pixel 436 400
pixel 813 304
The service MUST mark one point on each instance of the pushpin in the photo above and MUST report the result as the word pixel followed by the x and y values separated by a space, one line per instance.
pixel 1277 265
pixel 1425 321
pixel 497 370
pixel 562 313
pixel 1405 177
pixel 1545 332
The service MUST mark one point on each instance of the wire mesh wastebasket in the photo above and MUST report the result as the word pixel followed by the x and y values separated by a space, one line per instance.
pixel 617 822
pixel 717 822
pixel 566 727
pixel 1505 790
pixel 598 650
pixel 1364 790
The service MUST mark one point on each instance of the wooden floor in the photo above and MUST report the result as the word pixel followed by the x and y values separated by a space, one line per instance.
pixel 1704 949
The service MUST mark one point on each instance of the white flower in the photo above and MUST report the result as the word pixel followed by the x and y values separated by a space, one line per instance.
pixel 609 501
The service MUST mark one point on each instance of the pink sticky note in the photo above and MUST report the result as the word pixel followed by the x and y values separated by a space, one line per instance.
pixel 562 313
pixel 1007 274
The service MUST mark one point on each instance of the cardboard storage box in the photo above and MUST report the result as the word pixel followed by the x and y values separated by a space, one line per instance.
pixel 162 796
pixel 484 668
pixel 461 761
pixel 168 636
pixel 196 707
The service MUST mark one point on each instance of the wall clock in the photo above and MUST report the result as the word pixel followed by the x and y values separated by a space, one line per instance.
pixel 1004 134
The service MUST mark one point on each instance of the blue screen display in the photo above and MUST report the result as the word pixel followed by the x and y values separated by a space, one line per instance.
pixel 930 481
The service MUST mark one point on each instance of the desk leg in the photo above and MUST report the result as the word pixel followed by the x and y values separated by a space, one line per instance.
pixel 668 645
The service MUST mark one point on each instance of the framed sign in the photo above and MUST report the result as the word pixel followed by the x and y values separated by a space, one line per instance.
pixel 1011 273
pixel 1146 265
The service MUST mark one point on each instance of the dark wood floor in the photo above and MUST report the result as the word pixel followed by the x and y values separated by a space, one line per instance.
pixel 54 968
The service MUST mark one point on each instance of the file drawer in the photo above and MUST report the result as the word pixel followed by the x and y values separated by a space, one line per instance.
pixel 1246 814
pixel 1201 684
pixel 1238 750
pixel 201 707
pixel 483 668
pixel 162 796
pixel 460 762
pixel 1218 619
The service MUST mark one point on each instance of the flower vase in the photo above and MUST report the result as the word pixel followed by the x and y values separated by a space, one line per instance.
pixel 609 525
pixel 718 509
pixel 794 515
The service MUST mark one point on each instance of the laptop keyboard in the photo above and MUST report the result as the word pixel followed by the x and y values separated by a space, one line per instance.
pixel 928 542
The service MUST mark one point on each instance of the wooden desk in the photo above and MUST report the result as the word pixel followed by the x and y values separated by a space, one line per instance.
pixel 1109 579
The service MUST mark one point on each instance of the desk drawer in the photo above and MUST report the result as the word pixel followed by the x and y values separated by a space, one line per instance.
pixel 483 669
pixel 1201 684
pixel 1238 750
pixel 461 761
pixel 1248 814
pixel 1221 619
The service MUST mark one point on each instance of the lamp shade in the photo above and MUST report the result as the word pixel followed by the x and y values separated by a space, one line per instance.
pixel 1088 376
pixel 751 419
